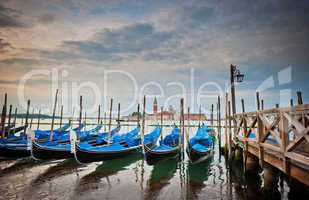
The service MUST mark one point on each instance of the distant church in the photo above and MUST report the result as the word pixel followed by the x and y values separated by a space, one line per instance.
pixel 170 114
pixel 155 115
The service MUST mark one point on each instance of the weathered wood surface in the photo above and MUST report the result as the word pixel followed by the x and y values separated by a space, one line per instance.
pixel 281 138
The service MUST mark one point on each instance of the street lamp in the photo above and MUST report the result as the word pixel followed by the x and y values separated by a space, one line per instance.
pixel 238 77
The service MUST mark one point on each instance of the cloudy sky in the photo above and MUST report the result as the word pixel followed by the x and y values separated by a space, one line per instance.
pixel 106 44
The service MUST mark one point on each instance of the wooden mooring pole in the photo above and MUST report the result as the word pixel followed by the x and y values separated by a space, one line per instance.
pixel 226 124
pixel 31 120
pixel 9 120
pixel 188 121
pixel 15 116
pixel 199 116
pixel 85 120
pixel 291 103
pixel 182 127
pixel 138 115
pixel 39 118
pixel 80 118
pixel 212 116
pixel 230 130
pixel 118 115
pixel 105 115
pixel 161 123
pixel 27 115
pixel 99 113
pixel 258 101
pixel 10 115
pixel 299 98
pixel 110 121
pixel 3 115
pixel 219 122
pixel 143 124
pixel 61 116
pixel 53 118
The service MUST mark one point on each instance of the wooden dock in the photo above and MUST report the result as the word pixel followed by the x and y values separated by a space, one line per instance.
pixel 278 137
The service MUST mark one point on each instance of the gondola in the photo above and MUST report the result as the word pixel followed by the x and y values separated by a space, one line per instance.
pixel 7 129
pixel 14 149
pixel 17 145
pixel 168 148
pixel 60 149
pixel 200 146
pixel 43 135
pixel 88 153
pixel 116 137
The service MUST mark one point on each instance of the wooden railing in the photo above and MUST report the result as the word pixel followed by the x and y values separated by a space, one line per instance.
pixel 278 136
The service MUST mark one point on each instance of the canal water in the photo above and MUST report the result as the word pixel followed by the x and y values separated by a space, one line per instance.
pixel 132 178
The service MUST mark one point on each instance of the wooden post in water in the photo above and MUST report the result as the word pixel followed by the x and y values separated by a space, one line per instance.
pixel 85 120
pixel 182 127
pixel 61 116
pixel 243 105
pixel 219 122
pixel 15 116
pixel 277 105
pixel 39 118
pixel 258 101
pixel 10 115
pixel 291 103
pixel 212 116
pixel 299 98
pixel 245 149
pixel 9 120
pixel 143 124
pixel 27 115
pixel 161 123
pixel 80 118
pixel 104 121
pixel 99 113
pixel 110 121
pixel 199 116
pixel 232 71
pixel 3 116
pixel 138 115
pixel 262 104
pixel 230 130
pixel 226 124
pixel 118 116
pixel 53 118
pixel 188 120
pixel 31 120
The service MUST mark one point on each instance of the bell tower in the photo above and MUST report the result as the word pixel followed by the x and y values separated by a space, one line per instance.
pixel 155 106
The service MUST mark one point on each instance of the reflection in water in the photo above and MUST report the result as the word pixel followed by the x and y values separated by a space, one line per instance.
pixel 10 166
pixel 106 169
pixel 61 169
pixel 132 178
pixel 160 176
pixel 198 174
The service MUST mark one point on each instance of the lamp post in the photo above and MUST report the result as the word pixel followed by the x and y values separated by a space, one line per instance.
pixel 239 77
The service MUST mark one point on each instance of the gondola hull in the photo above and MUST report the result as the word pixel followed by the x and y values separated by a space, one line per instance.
pixel 14 152
pixel 84 156
pixel 45 153
pixel 153 156
pixel 196 156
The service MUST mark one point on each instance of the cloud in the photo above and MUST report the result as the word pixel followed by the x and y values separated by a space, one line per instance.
pixel 19 61
pixel 117 44
pixel 5 46
pixel 9 18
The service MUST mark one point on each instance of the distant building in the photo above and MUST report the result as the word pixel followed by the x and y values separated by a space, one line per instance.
pixel 171 114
